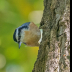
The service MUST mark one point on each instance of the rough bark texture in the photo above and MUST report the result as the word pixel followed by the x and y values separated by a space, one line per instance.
pixel 54 50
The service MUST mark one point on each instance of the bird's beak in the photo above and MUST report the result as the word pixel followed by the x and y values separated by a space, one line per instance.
pixel 19 44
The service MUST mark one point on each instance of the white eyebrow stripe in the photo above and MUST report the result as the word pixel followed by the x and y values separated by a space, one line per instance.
pixel 17 34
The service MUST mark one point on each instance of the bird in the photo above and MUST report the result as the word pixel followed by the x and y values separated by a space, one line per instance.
pixel 28 34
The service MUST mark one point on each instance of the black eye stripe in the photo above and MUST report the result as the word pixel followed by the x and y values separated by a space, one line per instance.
pixel 14 36
pixel 19 30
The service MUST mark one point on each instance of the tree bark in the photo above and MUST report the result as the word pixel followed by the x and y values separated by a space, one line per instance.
pixel 54 50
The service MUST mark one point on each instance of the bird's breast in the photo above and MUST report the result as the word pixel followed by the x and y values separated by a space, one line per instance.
pixel 32 36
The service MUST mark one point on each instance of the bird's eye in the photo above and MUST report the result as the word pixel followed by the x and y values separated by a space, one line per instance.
pixel 24 43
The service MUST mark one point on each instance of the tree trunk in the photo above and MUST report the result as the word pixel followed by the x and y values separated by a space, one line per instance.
pixel 54 50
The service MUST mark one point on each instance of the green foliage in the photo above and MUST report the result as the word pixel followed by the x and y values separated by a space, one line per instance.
pixel 14 13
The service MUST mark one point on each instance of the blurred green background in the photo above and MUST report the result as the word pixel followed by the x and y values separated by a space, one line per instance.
pixel 13 13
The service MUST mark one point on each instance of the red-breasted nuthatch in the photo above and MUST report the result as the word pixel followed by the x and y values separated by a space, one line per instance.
pixel 29 34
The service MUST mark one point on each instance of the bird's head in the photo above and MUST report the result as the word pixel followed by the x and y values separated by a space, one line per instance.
pixel 18 35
